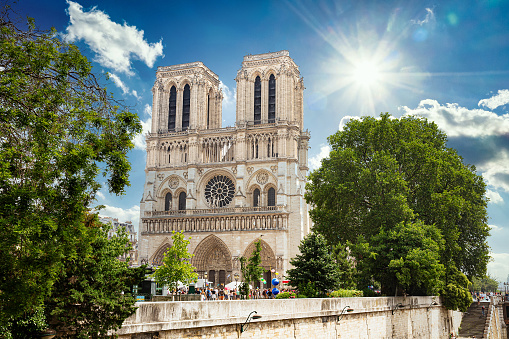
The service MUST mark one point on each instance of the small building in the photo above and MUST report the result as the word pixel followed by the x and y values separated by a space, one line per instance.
pixel 116 226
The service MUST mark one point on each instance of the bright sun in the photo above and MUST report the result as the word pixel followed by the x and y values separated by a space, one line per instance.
pixel 366 73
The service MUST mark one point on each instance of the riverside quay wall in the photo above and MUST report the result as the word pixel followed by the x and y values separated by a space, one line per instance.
pixel 381 317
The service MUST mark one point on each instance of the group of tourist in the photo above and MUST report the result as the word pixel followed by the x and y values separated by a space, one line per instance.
pixel 232 294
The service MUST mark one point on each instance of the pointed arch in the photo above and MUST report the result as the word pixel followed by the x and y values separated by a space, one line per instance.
pixel 267 254
pixel 172 111
pixel 257 100
pixel 186 107
pixel 157 257
pixel 212 254
pixel 182 201
pixel 272 99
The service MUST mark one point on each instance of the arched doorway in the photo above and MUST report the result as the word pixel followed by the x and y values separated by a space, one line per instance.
pixel 268 262
pixel 157 258
pixel 213 256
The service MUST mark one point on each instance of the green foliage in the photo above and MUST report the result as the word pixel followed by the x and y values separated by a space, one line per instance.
pixel 244 287
pixel 24 327
pixel 309 290
pixel 286 295
pixel 58 126
pixel 485 284
pixel 251 268
pixel 315 266
pixel 368 292
pixel 455 293
pixel 176 264
pixel 386 172
pixel 92 296
pixel 406 258
pixel 346 294
pixel 347 271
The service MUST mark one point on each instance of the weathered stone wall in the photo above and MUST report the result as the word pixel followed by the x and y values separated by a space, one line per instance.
pixel 294 318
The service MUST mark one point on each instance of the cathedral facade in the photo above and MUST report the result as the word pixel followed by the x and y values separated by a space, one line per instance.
pixel 227 187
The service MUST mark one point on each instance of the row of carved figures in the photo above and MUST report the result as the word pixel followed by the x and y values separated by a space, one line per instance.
pixel 235 223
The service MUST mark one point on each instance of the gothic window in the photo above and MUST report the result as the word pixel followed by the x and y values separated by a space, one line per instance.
pixel 173 108
pixel 271 197
pixel 182 201
pixel 167 202
pixel 256 197
pixel 186 107
pixel 208 110
pixel 272 99
pixel 257 100
pixel 219 191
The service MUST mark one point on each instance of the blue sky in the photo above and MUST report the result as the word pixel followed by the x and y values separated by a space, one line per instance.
pixel 446 61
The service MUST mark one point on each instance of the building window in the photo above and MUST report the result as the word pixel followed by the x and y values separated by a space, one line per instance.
pixel 167 202
pixel 271 197
pixel 219 191
pixel 173 108
pixel 186 107
pixel 257 100
pixel 272 99
pixel 182 201
pixel 256 198
pixel 208 111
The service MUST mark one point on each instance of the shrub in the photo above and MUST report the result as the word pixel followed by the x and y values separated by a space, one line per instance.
pixel 368 292
pixel 346 294
pixel 286 295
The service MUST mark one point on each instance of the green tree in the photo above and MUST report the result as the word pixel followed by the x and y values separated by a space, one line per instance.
pixel 347 271
pixel 93 295
pixel 251 268
pixel 382 172
pixel 485 284
pixel 315 265
pixel 406 259
pixel 58 128
pixel 176 264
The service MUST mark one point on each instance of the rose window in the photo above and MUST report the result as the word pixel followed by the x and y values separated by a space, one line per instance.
pixel 219 191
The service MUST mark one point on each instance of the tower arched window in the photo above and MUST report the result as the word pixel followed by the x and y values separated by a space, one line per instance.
pixel 256 198
pixel 208 111
pixel 271 198
pixel 186 107
pixel 272 99
pixel 172 113
pixel 182 201
pixel 257 100
pixel 167 201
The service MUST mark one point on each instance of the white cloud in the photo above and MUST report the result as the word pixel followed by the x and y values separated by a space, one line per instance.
pixel 114 44
pixel 147 110
pixel 430 18
pixel 495 228
pixel 316 161
pixel 228 95
pixel 132 214
pixel 100 195
pixel 139 140
pixel 500 99
pixel 120 84
pixel 494 197
pixel 496 170
pixel 346 119
pixel 456 121
pixel 499 267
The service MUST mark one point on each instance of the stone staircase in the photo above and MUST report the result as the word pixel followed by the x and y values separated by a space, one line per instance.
pixel 473 322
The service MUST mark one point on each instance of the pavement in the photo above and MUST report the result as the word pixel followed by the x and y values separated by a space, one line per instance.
pixel 473 321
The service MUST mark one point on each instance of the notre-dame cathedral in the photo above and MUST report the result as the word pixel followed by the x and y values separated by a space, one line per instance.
pixel 227 187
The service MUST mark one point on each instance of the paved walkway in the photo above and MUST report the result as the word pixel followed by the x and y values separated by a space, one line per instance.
pixel 473 321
